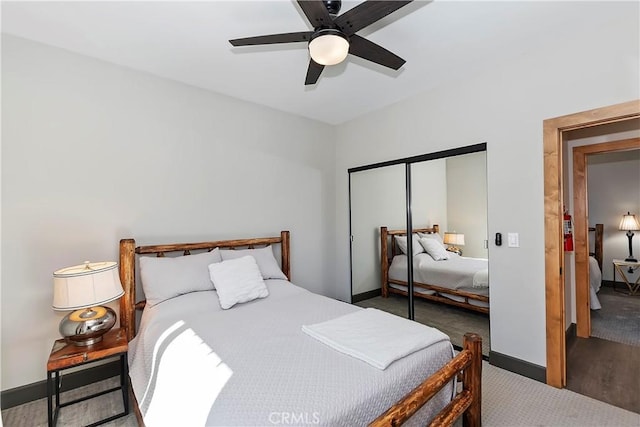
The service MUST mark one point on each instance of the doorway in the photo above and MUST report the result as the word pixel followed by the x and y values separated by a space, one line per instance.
pixel 580 209
pixel 553 139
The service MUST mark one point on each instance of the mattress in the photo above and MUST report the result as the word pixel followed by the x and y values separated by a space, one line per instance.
pixel 193 363
pixel 457 273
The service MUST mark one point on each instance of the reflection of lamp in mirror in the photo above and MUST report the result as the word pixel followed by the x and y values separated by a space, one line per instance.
pixel 629 224
pixel 84 288
pixel 454 240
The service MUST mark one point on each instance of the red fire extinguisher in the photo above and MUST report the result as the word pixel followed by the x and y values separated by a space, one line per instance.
pixel 568 233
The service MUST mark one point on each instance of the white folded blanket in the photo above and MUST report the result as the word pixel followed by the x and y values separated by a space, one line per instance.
pixel 374 336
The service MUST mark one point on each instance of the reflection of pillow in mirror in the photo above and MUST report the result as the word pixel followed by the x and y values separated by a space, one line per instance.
pixel 435 249
pixel 402 244
pixel 433 236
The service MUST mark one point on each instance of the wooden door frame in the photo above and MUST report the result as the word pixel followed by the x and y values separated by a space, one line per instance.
pixel 553 138
pixel 581 225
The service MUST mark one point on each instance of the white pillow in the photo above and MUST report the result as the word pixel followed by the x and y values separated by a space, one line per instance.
pixel 434 236
pixel 264 257
pixel 167 277
pixel 402 244
pixel 435 249
pixel 237 281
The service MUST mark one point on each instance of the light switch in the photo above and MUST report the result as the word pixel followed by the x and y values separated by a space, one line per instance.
pixel 513 240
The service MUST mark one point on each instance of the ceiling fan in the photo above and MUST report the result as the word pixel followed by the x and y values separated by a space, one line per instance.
pixel 334 37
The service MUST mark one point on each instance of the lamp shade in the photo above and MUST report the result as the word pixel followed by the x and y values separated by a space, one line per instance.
pixel 629 223
pixel 328 47
pixel 87 285
pixel 454 239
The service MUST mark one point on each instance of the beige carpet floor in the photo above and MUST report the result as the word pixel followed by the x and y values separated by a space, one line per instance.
pixel 508 400
pixel 619 318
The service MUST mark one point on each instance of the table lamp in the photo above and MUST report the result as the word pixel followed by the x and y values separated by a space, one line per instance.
pixel 84 288
pixel 629 224
pixel 454 240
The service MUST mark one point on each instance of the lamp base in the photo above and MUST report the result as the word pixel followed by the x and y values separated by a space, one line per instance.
pixel 631 259
pixel 87 326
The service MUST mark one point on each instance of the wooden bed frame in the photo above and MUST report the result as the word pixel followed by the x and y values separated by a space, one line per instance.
pixel 386 239
pixel 599 232
pixel 467 365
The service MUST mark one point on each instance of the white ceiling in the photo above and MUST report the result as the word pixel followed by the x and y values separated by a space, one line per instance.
pixel 188 42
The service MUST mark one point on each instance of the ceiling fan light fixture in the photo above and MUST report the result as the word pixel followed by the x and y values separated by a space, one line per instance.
pixel 328 47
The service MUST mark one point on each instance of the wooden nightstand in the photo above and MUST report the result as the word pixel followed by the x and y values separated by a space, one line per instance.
pixel 64 356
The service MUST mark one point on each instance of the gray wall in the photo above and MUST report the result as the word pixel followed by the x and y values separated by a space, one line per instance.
pixel 593 65
pixel 93 152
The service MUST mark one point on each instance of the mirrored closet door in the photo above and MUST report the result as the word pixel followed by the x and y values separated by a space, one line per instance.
pixel 378 198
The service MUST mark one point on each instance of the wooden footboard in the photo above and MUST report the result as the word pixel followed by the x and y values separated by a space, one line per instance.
pixel 467 403
pixel 439 293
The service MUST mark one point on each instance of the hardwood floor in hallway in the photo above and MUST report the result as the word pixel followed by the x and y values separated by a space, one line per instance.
pixel 605 370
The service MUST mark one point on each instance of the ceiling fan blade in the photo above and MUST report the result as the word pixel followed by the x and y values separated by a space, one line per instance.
pixel 365 49
pixel 313 72
pixel 366 14
pixel 303 36
pixel 316 12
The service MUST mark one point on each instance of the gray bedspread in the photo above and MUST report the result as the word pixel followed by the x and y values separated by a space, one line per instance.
pixel 193 363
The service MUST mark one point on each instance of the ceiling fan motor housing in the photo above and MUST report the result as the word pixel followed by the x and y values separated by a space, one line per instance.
pixel 333 6
pixel 328 32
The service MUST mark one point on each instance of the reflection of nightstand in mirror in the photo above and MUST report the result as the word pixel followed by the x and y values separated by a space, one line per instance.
pixel 623 267
pixel 455 250
pixel 453 240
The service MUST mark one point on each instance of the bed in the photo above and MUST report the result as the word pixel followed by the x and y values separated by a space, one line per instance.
pixel 193 362
pixel 595 267
pixel 459 281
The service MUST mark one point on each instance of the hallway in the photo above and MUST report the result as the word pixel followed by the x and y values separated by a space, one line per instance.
pixel 607 365
pixel 605 370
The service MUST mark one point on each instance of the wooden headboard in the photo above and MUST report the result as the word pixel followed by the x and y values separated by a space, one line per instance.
pixel 597 254
pixel 128 251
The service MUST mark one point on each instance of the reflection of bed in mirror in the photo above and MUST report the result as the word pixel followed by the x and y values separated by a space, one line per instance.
pixel 595 267
pixel 457 280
